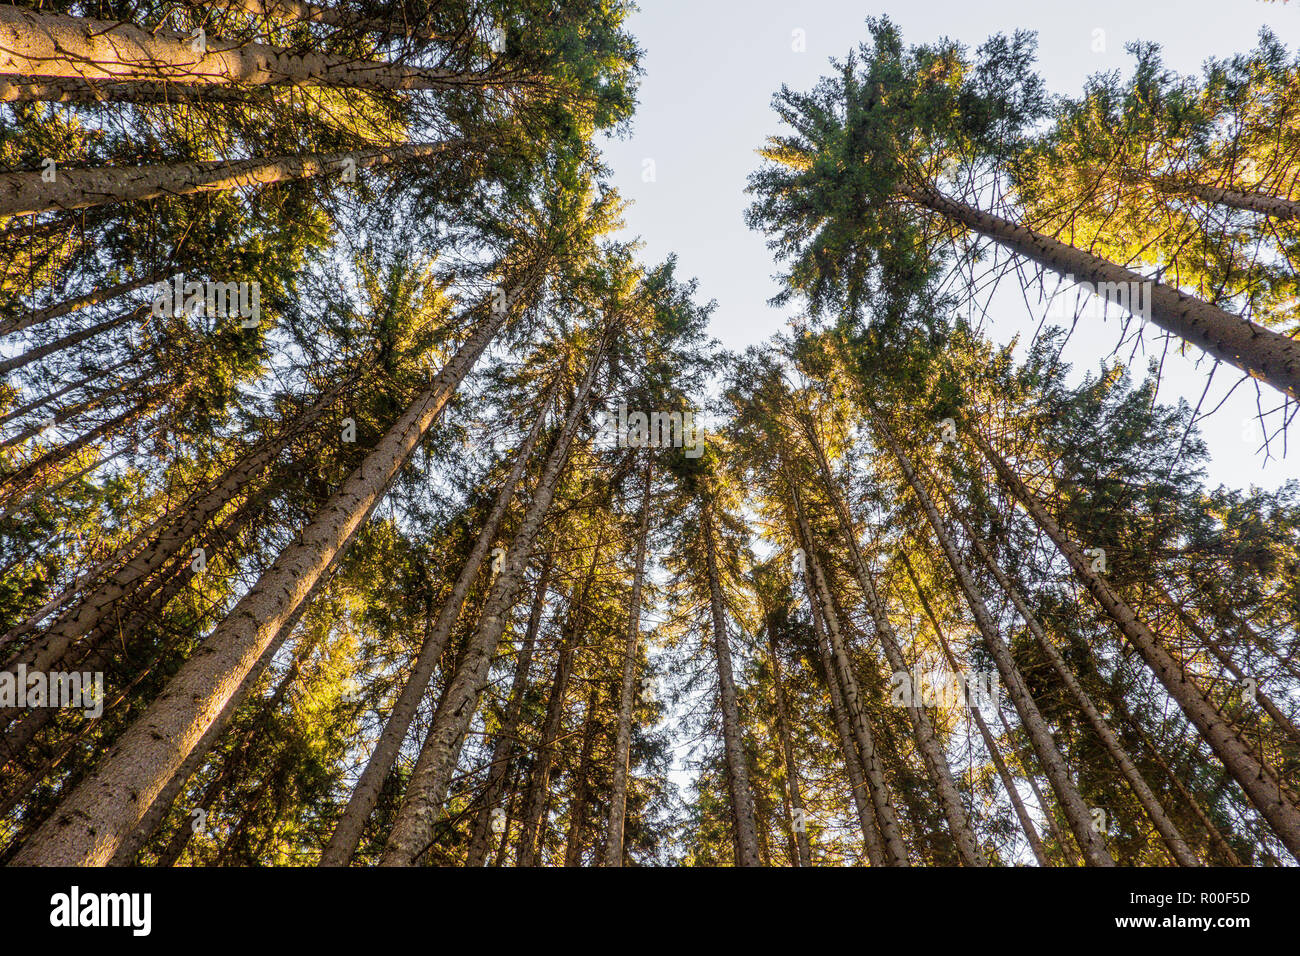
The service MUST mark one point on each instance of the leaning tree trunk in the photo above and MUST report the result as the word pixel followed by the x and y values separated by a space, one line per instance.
pixel 745 829
pixel 1261 785
pixel 1248 200
pixel 504 747
pixel 237 756
pixel 871 839
pixel 39 352
pixel 436 763
pixel 20 488
pixel 76 304
pixel 1063 843
pixel 531 828
pixel 627 689
pixel 58 393
pixel 144 610
pixel 1166 827
pixel 1076 811
pixel 53 45
pixel 877 787
pixel 365 795
pixel 1189 798
pixel 153 548
pixel 1283 722
pixel 1259 352
pixel 24 193
pixel 70 412
pixel 990 741
pixel 131 845
pixel 932 752
pixel 94 817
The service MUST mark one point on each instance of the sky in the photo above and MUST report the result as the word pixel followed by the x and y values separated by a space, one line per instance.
pixel 704 108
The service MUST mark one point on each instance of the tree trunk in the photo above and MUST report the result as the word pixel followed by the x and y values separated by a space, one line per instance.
pixel 1283 722
pixel 70 412
pixel 144 610
pixel 24 193
pixel 1248 200
pixel 627 689
pixel 431 777
pixel 18 489
pixel 94 818
pixel 366 792
pixel 1076 811
pixel 544 759
pixel 745 826
pixel 871 840
pixel 54 45
pixel 877 786
pixel 1064 846
pixel 1164 826
pixel 1260 352
pixel 508 736
pixel 1261 785
pixel 135 840
pixel 931 750
pixel 236 757
pixel 1212 829
pixel 158 544
pixel 62 89
pixel 105 294
pixel 66 341
pixel 990 741
pixel 58 393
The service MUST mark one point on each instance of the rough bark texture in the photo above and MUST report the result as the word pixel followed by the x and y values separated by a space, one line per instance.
pixel 1054 765
pixel 51 44
pixel 328 15
pixel 22 194
pixel 94 818
pixel 436 763
pixel 365 795
pixel 877 787
pixel 1259 352
pixel 1250 200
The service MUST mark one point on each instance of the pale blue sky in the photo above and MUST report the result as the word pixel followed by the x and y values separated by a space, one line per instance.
pixel 711 69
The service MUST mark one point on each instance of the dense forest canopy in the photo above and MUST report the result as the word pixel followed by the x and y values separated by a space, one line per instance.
pixel 368 498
